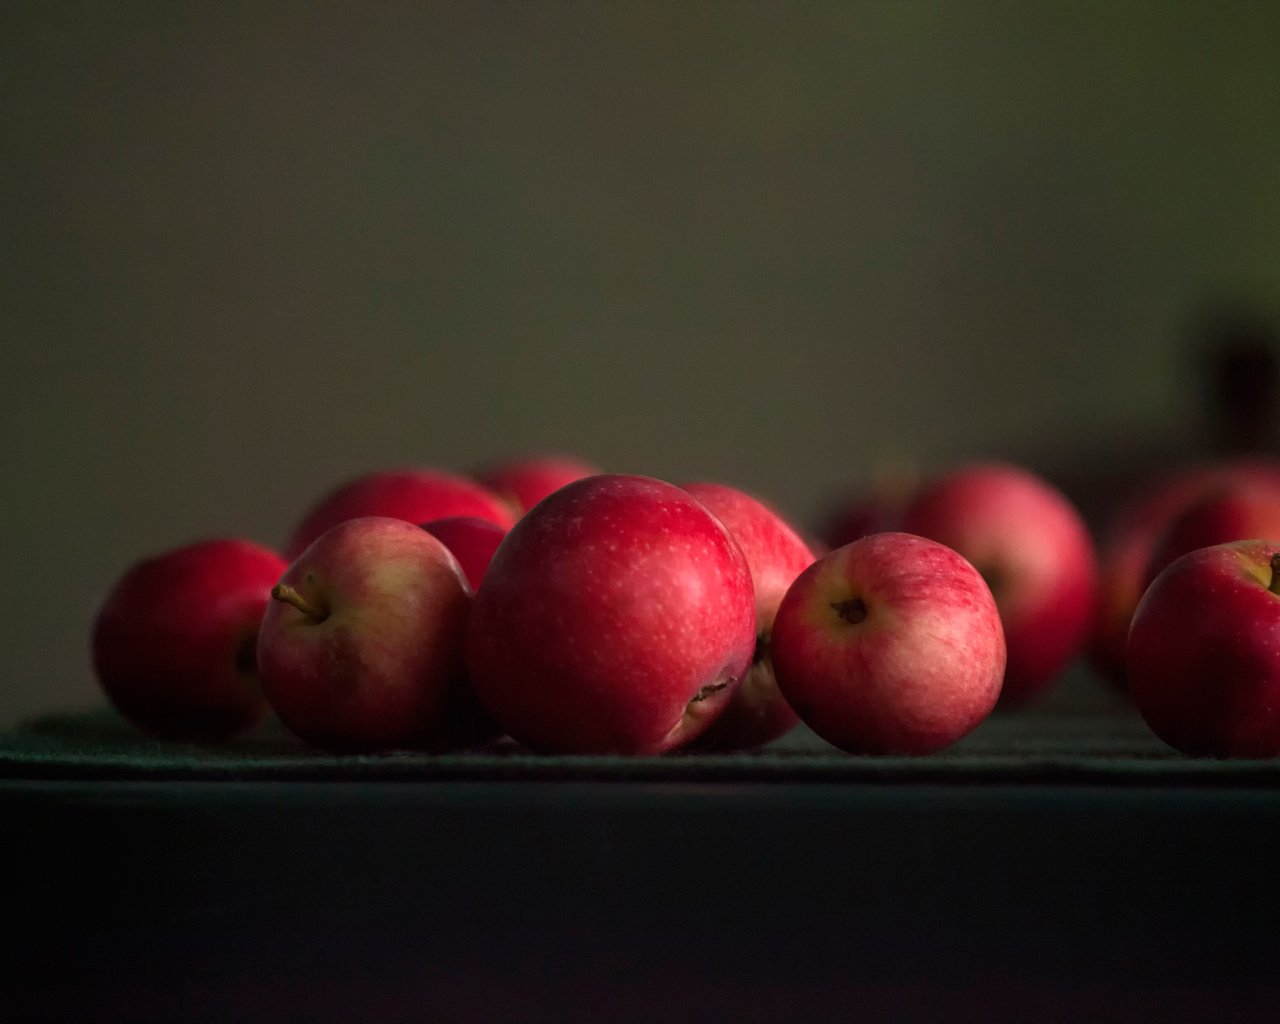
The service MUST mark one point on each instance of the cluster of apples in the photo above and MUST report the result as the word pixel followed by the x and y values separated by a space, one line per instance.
pixel 576 611
pixel 1189 606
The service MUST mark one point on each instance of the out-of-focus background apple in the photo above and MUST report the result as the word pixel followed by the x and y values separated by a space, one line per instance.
pixel 250 250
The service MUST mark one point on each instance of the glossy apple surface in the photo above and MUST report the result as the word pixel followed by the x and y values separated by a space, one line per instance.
pixel 890 645
pixel 414 495
pixel 1202 657
pixel 361 647
pixel 472 542
pixel 524 482
pixel 1033 549
pixel 616 617
pixel 1130 538
pixel 776 555
pixel 173 643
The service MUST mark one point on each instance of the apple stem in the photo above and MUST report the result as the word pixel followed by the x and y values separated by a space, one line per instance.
pixel 287 594
pixel 1275 573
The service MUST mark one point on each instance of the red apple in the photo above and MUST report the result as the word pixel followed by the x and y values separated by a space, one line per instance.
pixel 1202 657
pixel 1244 511
pixel 524 482
pixel 776 555
pixel 1033 549
pixel 415 495
pixel 616 617
pixel 472 541
pixel 1129 540
pixel 890 645
pixel 173 644
pixel 362 646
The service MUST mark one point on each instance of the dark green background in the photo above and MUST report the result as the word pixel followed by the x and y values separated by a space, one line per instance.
pixel 250 249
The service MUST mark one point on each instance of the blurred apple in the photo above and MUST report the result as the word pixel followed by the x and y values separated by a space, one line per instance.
pixel 616 617
pixel 414 495
pixel 890 645
pixel 776 555
pixel 524 482
pixel 1033 549
pixel 1129 541
pixel 173 643
pixel 1201 659
pixel 1247 510
pixel 877 509
pixel 361 648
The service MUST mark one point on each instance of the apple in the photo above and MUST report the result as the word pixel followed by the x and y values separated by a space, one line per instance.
pixel 776 555
pixel 524 482
pixel 414 495
pixel 1033 549
pixel 472 541
pixel 890 645
pixel 173 643
pixel 1201 658
pixel 616 617
pixel 1246 511
pixel 361 648
pixel 1130 537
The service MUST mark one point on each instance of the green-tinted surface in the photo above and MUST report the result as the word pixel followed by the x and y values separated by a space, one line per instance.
pixel 1047 745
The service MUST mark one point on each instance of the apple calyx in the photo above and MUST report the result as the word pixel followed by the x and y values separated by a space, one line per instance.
pixel 289 595
pixel 853 610
pixel 1274 585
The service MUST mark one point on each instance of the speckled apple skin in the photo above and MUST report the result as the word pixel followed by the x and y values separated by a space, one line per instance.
pixel 414 495
pixel 384 668
pixel 605 612
pixel 923 668
pixel 1203 658
pixel 173 641
pixel 1036 552
pixel 776 555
